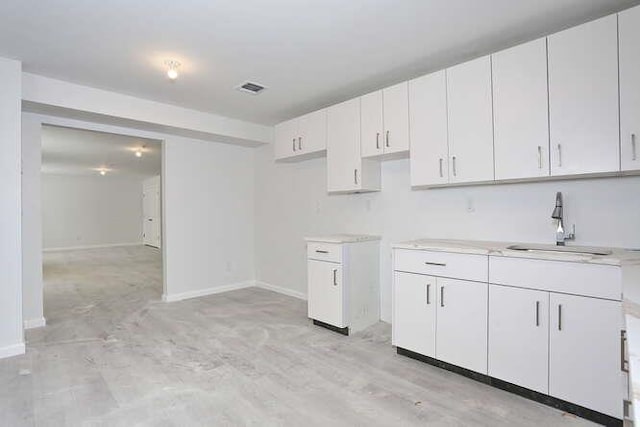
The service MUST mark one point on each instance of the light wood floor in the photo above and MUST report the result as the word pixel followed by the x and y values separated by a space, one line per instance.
pixel 113 354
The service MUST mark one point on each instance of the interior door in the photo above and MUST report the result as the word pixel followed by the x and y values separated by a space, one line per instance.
pixel 461 337
pixel 151 212
pixel 585 352
pixel 414 313
pixel 519 336
pixel 325 299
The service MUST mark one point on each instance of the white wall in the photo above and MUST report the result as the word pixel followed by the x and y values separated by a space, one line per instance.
pixel 291 202
pixel 208 193
pixel 31 222
pixel 85 211
pixel 11 336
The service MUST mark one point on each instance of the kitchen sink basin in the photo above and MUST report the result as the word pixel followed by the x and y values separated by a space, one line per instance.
pixel 578 250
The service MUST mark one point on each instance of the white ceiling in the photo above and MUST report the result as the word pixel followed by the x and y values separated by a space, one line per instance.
pixel 68 151
pixel 310 53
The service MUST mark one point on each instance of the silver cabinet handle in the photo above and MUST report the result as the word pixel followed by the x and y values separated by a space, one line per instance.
pixel 377 140
pixel 442 296
pixel 335 277
pixel 455 171
pixel 440 167
pixel 294 144
pixel 387 142
pixel 559 155
pixel 321 252
pixel 355 176
pixel 559 317
pixel 439 264
pixel 537 313
pixel 428 293
pixel 539 157
pixel 634 152
pixel 624 363
pixel 299 143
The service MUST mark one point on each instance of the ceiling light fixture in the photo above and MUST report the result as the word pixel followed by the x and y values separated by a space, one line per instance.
pixel 172 68
pixel 139 151
pixel 103 172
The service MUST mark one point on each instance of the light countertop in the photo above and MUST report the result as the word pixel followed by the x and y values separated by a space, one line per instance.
pixel 617 257
pixel 343 238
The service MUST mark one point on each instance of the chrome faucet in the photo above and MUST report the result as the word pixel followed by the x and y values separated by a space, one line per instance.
pixel 561 235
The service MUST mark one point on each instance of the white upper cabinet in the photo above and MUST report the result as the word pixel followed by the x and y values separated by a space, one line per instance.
pixel 583 98
pixel 428 130
pixel 302 138
pixel 470 124
pixel 347 172
pixel 520 111
pixel 629 27
pixel 372 124
pixel 385 122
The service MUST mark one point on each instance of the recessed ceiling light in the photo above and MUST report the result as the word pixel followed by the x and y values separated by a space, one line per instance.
pixel 172 68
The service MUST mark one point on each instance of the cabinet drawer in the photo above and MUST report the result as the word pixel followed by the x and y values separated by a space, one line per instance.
pixel 442 264
pixel 322 251
pixel 593 280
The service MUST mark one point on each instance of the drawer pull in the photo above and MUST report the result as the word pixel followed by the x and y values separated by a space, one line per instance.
pixel 318 251
pixel 624 363
pixel 559 317
pixel 438 264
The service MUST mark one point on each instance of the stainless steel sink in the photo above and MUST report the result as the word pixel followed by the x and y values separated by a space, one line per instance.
pixel 578 250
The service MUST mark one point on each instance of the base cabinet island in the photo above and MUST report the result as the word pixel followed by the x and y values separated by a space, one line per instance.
pixel 544 323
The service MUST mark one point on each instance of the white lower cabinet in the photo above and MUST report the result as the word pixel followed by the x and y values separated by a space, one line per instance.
pixel 519 336
pixel 326 292
pixel 461 337
pixel 414 305
pixel 585 352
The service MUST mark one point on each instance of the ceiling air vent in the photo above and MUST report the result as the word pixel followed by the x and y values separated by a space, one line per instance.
pixel 250 87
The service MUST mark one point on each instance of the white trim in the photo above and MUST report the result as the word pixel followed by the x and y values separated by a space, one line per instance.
pixel 35 323
pixel 281 290
pixel 12 350
pixel 207 291
pixel 77 248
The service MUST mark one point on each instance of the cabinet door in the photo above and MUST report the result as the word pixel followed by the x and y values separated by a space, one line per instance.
pixel 583 98
pixel 372 126
pixel 312 132
pixel 286 139
pixel 343 147
pixel 470 121
pixel 414 313
pixel 461 330
pixel 584 352
pixel 428 130
pixel 629 27
pixel 521 111
pixel 326 292
pixel 519 336
pixel 396 118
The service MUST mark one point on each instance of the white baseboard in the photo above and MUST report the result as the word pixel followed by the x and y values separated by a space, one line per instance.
pixel 281 290
pixel 77 248
pixel 12 350
pixel 207 291
pixel 35 323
